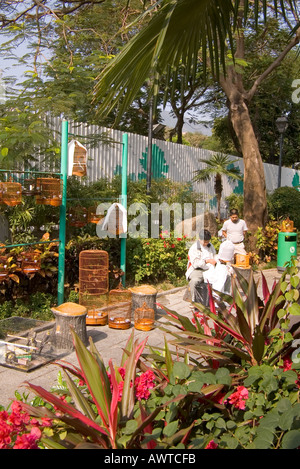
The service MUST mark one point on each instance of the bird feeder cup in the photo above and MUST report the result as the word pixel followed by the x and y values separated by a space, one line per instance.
pixel 144 318
pixel 50 191
pixel 11 193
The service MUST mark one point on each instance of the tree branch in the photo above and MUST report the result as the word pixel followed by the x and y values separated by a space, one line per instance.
pixel 273 66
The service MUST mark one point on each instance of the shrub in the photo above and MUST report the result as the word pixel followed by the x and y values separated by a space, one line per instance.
pixel 284 202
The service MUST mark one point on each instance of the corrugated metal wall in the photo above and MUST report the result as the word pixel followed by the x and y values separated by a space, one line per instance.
pixel 173 161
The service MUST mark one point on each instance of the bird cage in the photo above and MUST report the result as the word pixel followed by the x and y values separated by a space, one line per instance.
pixel 242 260
pixel 93 217
pixel 93 277
pixel 287 225
pixel 114 224
pixel 31 262
pixel 78 216
pixel 119 315
pixel 79 158
pixel 11 193
pixel 144 318
pixel 97 316
pixel 29 187
pixel 3 268
pixel 50 191
pixel 120 295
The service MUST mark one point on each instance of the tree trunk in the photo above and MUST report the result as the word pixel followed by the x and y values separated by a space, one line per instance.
pixel 255 197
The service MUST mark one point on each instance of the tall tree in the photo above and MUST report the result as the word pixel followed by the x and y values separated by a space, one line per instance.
pixel 184 32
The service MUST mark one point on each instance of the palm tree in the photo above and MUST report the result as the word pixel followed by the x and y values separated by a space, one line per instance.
pixel 182 33
pixel 218 166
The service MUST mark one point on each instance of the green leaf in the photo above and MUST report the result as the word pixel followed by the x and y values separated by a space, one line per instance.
pixel 170 428
pixel 294 309
pixel 258 345
pixel 181 370
pixel 291 440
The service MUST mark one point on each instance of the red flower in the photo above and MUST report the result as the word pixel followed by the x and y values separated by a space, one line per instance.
pixel 238 398
pixel 28 440
pixel 211 445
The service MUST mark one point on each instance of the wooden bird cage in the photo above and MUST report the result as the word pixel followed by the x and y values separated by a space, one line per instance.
pixel 79 160
pixel 119 315
pixel 144 318
pixel 97 317
pixel 119 310
pixel 3 268
pixel 93 277
pixel 115 222
pixel 119 295
pixel 242 260
pixel 78 216
pixel 287 225
pixel 31 262
pixel 29 187
pixel 11 193
pixel 93 217
pixel 50 191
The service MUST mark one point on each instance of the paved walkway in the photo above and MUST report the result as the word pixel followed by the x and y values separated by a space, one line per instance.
pixel 108 341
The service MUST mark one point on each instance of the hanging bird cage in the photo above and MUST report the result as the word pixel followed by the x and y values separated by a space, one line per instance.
pixel 242 260
pixel 93 217
pixel 29 187
pixel 1 192
pixel 78 216
pixel 31 262
pixel 50 191
pixel 3 268
pixel 93 278
pixel 115 225
pixel 79 160
pixel 144 318
pixel 11 193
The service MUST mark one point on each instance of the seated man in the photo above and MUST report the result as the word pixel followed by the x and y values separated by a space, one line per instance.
pixel 201 256
pixel 218 276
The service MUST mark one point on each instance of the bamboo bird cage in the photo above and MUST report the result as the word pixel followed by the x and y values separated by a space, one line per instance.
pixel 11 193
pixel 31 262
pixel 144 318
pixel 93 217
pixel 50 191
pixel 29 187
pixel 79 161
pixel 119 311
pixel 94 284
pixel 78 216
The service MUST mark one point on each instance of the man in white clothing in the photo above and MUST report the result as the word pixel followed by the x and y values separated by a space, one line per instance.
pixel 234 229
pixel 201 256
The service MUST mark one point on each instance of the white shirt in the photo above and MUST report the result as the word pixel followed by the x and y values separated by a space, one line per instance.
pixel 235 231
pixel 197 256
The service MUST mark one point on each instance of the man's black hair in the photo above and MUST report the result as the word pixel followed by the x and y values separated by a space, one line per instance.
pixel 205 235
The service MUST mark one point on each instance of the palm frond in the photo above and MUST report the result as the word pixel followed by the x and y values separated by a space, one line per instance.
pixel 181 33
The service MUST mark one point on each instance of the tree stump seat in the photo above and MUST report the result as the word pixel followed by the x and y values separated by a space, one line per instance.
pixel 67 316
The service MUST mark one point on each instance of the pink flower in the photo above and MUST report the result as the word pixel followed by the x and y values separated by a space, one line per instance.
pixel 28 440
pixel 238 398
pixel 143 383
pixel 211 445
